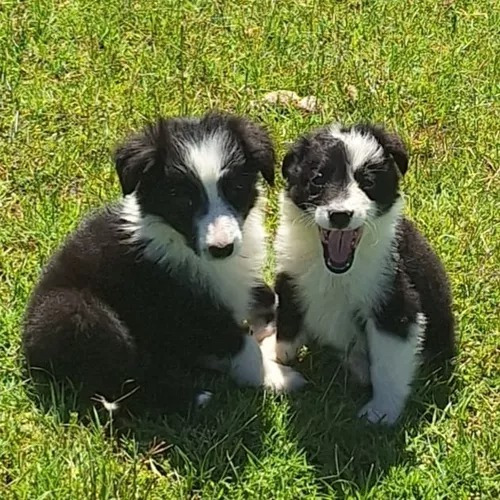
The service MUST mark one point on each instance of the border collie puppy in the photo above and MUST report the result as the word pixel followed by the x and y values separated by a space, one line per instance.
pixel 167 278
pixel 353 272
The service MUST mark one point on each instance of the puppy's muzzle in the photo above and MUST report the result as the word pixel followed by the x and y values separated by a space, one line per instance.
pixel 223 237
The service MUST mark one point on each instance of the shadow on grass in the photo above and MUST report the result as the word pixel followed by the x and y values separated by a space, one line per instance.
pixel 344 449
pixel 212 444
pixel 199 445
pixel 215 444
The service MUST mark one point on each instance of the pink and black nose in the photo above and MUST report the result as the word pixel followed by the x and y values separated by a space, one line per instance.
pixel 221 252
pixel 339 219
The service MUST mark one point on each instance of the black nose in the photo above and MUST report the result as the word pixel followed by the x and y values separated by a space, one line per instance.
pixel 221 252
pixel 339 220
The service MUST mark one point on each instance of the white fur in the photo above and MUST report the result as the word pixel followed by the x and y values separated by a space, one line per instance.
pixel 283 351
pixel 246 367
pixel 253 366
pixel 281 378
pixel 228 280
pixel 393 362
pixel 360 147
pixel 219 226
pixel 202 399
pixel 277 376
pixel 262 330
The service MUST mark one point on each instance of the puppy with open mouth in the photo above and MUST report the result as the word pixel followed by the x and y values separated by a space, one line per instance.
pixel 353 272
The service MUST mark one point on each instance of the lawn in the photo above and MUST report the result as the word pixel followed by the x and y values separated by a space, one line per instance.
pixel 76 76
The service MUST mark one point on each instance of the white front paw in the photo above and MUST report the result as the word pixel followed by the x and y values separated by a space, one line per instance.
pixel 246 367
pixel 282 378
pixel 268 347
pixel 380 412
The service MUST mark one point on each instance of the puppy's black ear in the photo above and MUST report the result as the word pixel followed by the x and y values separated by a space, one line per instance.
pixel 290 165
pixel 393 145
pixel 258 147
pixel 139 155
pixel 289 161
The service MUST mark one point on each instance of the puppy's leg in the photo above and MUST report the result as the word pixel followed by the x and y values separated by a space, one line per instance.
pixel 289 320
pixel 226 346
pixel 72 334
pixel 393 362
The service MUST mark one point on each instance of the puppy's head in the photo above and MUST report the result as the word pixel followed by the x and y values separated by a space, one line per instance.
pixel 198 176
pixel 344 179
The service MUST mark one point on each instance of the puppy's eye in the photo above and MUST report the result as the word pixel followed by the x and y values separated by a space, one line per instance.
pixel 180 199
pixel 318 180
pixel 366 182
pixel 183 202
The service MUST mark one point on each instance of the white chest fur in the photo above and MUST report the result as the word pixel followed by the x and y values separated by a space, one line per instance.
pixel 330 301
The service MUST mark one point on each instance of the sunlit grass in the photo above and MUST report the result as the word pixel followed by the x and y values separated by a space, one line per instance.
pixel 76 76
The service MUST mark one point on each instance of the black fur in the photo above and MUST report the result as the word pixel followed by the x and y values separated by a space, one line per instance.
pixel 289 312
pixel 316 169
pixel 264 303
pixel 425 285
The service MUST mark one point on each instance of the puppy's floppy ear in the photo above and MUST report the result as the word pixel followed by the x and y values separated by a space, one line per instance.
pixel 293 157
pixel 258 147
pixel 288 161
pixel 140 154
pixel 392 144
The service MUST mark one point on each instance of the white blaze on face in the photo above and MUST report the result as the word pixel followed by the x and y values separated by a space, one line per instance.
pixel 220 226
pixel 360 147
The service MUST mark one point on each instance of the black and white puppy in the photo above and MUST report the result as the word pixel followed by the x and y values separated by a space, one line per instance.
pixel 353 273
pixel 166 278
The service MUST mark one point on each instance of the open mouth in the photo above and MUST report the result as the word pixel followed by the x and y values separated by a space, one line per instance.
pixel 339 247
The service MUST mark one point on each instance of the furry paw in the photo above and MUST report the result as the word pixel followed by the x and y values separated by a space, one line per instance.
pixel 282 378
pixel 202 399
pixel 377 412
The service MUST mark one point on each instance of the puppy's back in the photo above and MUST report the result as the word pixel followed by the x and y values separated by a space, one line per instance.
pixel 428 276
pixel 68 329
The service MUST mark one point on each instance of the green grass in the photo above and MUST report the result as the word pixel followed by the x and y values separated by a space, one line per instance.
pixel 76 76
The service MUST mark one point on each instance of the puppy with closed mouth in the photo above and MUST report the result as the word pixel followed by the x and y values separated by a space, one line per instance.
pixel 353 272
pixel 166 278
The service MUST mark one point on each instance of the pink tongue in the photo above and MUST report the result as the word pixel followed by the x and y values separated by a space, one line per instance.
pixel 340 245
